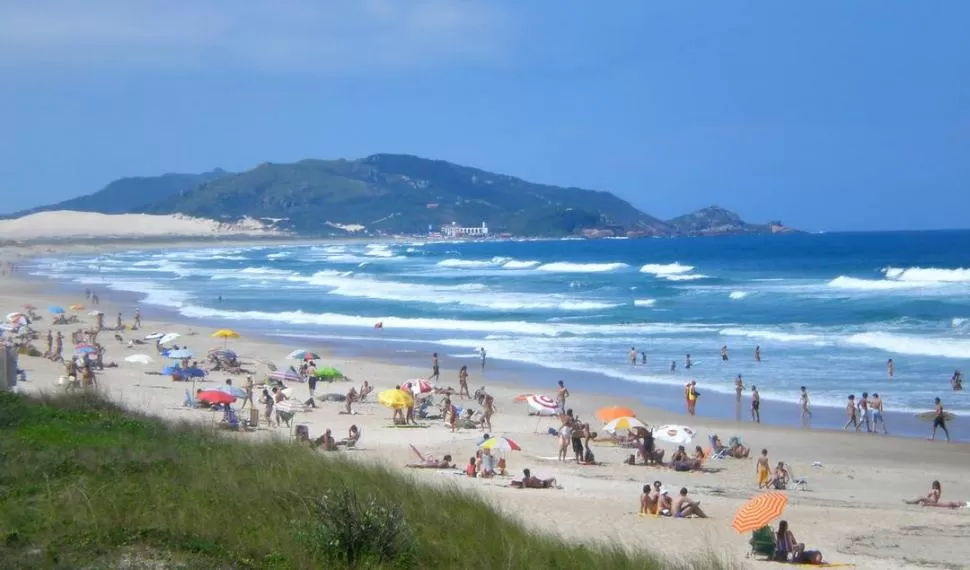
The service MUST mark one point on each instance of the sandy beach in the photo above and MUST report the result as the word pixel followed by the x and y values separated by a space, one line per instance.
pixel 852 510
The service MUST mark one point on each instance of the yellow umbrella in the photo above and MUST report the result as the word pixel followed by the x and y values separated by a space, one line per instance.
pixel 626 422
pixel 396 399
pixel 225 334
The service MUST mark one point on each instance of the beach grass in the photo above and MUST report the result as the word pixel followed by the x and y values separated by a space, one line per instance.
pixel 86 484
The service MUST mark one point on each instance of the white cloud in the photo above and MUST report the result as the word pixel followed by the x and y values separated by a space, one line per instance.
pixel 310 35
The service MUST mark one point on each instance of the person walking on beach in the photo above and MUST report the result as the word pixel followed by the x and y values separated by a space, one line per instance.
pixel 463 383
pixel 939 421
pixel 250 386
pixel 763 470
pixel 755 405
pixel 633 356
pixel 738 388
pixel 137 318
pixel 806 410
pixel 875 406
pixel 891 368
pixel 864 418
pixel 850 411
pixel 481 353
pixel 434 367
pixel 757 353
pixel 692 397
pixel 561 396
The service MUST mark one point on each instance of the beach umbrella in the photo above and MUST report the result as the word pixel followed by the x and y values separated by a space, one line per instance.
pixel 216 397
pixel 626 422
pixel 292 406
pixel 56 310
pixel 303 355
pixel 77 307
pixel 95 313
pixel 612 412
pixel 395 399
pixel 521 398
pixel 500 444
pixel 759 511
pixel 678 435
pixel 179 354
pixel 543 404
pixel 328 372
pixel 285 376
pixel 223 353
pixel 232 390
pixel 85 350
pixel 418 387
pixel 193 372
pixel 29 307
pixel 15 316
pixel 139 359
pixel 153 336
pixel 84 345
pixel 167 338
pixel 225 334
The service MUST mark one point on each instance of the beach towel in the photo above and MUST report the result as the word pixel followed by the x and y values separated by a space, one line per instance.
pixel 407 426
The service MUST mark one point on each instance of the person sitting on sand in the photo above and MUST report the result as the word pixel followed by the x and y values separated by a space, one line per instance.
pixel 648 505
pixel 365 390
pixel 787 549
pixel 353 434
pixel 661 497
pixel 351 398
pixel 530 481
pixel 683 506
pixel 780 478
pixel 932 499
pixel 738 450
pixel 682 462
pixel 325 442
pixel 432 463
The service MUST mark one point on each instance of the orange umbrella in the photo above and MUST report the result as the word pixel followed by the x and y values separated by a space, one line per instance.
pixel 759 511
pixel 77 307
pixel 611 413
pixel 521 397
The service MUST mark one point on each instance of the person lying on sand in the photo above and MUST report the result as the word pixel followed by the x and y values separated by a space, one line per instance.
pixel 932 499
pixel 684 507
pixel 530 481
pixel 432 463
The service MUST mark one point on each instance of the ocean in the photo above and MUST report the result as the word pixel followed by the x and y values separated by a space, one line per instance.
pixel 828 310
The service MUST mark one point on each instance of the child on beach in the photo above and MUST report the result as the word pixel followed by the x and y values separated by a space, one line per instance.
pixel 755 405
pixel 850 410
pixel 763 470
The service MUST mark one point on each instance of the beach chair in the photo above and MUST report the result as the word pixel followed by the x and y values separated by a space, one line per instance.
pixel 795 483
pixel 230 419
pixel 762 542
pixel 716 453
pixel 360 434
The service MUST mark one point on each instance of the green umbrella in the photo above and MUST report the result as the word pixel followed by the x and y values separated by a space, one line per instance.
pixel 328 372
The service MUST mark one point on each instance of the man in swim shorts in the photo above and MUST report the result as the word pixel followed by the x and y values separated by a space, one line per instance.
pixel 939 421
pixel 875 407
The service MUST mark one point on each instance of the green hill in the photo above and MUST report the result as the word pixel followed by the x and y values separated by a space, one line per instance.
pixel 403 194
pixel 715 220
pixel 84 484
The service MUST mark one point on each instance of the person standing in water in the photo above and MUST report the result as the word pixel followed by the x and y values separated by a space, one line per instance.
pixel 481 352
pixel 738 388
pixel 673 366
pixel 643 357
pixel 434 367
pixel 757 353
pixel 806 410
pixel 939 421
pixel 956 382
pixel 755 405
pixel 875 406
pixel 724 353
pixel 687 362
pixel 633 356
pixel 891 368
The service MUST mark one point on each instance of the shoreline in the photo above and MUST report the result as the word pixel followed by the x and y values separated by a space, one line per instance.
pixel 715 405
pixel 855 473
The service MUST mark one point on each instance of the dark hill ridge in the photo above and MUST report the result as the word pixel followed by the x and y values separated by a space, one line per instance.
pixel 715 220
pixel 392 193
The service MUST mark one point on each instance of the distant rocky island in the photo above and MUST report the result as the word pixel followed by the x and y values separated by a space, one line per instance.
pixel 390 194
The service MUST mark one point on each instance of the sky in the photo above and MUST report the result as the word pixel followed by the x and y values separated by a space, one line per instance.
pixel 831 115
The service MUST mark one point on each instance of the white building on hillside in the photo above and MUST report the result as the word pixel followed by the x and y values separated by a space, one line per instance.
pixel 454 231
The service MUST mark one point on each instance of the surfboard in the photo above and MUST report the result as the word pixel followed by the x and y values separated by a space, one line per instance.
pixel 928 416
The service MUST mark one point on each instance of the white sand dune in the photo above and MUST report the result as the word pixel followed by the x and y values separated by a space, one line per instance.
pixel 67 224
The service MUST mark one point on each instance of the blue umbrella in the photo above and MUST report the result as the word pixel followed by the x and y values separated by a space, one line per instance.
pixel 193 373
pixel 179 354
pixel 56 310
pixel 171 371
pixel 232 390
pixel 85 350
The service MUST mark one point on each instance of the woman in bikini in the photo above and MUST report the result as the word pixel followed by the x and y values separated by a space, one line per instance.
pixel 463 383
pixel 932 499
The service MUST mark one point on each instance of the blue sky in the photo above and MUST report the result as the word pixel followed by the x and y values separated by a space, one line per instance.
pixel 826 115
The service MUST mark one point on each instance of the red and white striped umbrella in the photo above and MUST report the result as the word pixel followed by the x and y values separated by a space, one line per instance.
pixel 542 404
pixel 418 386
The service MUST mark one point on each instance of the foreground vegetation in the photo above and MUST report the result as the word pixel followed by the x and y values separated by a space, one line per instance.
pixel 84 484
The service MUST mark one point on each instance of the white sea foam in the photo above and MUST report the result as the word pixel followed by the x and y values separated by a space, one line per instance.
pixel 913 345
pixel 771 335
pixel 927 274
pixel 464 263
pixel 738 295
pixel 846 283
pixel 958 322
pixel 683 277
pixel 155 293
pixel 644 302
pixel 568 267
pixel 516 264
pixel 666 268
